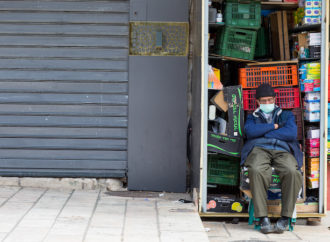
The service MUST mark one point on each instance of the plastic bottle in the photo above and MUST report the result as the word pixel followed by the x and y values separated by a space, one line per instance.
pixel 219 17
pixel 212 110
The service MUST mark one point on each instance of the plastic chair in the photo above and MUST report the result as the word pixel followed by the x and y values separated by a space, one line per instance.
pixel 255 221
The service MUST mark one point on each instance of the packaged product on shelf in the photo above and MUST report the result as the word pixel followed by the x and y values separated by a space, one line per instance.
pixel 313 161
pixel 303 72
pixel 312 96
pixel 313 171
pixel 312 106
pixel 307 85
pixel 214 78
pixel 313 116
pixel 312 182
pixel 313 152
pixel 314 38
pixel 313 143
pixel 312 3
pixel 312 133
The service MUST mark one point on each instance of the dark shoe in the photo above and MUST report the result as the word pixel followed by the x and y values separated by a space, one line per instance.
pixel 282 225
pixel 265 226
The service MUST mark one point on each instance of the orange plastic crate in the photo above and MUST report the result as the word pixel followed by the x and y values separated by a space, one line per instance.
pixel 286 98
pixel 277 76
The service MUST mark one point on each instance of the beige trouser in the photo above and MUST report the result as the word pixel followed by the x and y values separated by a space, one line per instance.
pixel 259 163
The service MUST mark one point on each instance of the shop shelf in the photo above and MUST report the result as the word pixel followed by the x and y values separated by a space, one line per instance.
pixel 222 170
pixel 286 98
pixel 297 112
pixel 306 27
pixel 283 75
pixel 243 15
pixel 236 43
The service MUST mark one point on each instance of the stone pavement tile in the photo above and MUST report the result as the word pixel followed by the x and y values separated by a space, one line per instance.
pixel 142 238
pixel 286 235
pixel 312 233
pixel 6 192
pixel 140 225
pixel 186 226
pixel 2 236
pixel 27 195
pixel 184 236
pixel 14 210
pixel 175 204
pixel 244 231
pixel 27 234
pixel 108 219
pixel 71 210
pixel 5 227
pixel 74 217
pixel 102 238
pixel 83 197
pixel 35 223
pixel 105 230
pixel 149 232
pixel 64 238
pixel 215 229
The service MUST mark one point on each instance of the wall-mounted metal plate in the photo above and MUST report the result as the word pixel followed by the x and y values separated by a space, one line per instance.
pixel 159 38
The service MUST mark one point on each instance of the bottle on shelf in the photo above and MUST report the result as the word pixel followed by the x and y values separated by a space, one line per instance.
pixel 219 17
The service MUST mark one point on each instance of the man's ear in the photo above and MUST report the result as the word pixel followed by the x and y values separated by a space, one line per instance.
pixel 258 102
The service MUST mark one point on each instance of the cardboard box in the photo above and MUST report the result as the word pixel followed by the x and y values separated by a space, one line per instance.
pixel 226 204
pixel 230 100
pixel 313 161
pixel 313 152
pixel 312 133
pixel 313 143
pixel 303 40
pixel 312 182
pixel 312 96
pixel 313 116
pixel 223 144
pixel 280 35
pixel 308 85
pixel 312 106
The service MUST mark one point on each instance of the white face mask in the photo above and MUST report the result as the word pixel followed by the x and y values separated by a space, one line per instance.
pixel 267 108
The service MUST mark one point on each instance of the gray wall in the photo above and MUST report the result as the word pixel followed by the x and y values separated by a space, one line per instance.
pixel 64 88
pixel 157 108
pixel 159 10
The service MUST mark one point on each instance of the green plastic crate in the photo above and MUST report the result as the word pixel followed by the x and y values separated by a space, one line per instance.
pixel 222 170
pixel 262 45
pixel 243 15
pixel 236 43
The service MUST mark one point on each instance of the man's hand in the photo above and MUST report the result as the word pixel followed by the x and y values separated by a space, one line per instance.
pixel 275 126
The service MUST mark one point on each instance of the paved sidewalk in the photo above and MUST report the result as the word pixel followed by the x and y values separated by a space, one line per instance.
pixel 34 214
pixel 225 232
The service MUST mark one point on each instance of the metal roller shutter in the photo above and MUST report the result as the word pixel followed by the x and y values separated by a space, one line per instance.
pixel 64 88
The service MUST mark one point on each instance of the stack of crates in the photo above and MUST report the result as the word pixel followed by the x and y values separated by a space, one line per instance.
pixel 238 38
pixel 222 170
pixel 284 79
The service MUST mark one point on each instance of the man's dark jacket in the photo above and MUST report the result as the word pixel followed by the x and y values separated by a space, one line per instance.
pixel 257 131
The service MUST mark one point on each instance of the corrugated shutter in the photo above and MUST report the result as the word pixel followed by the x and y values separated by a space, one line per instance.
pixel 63 88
